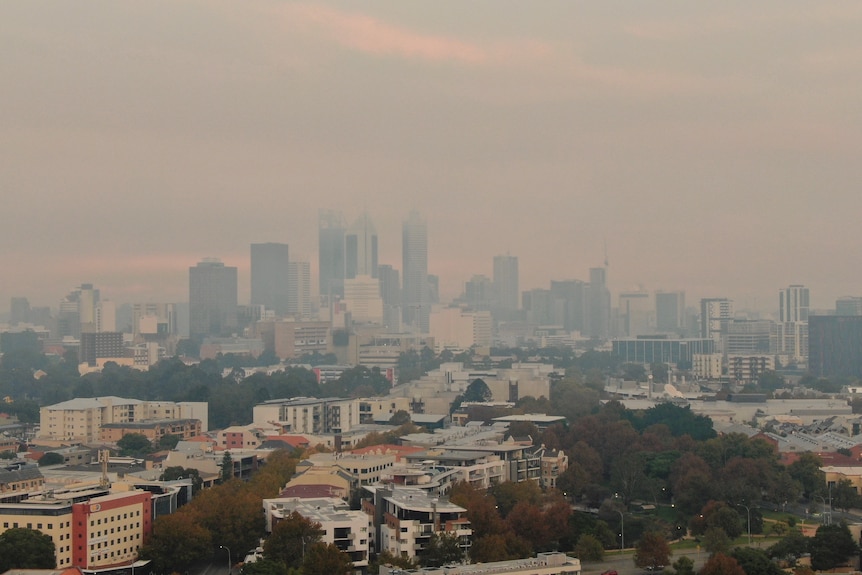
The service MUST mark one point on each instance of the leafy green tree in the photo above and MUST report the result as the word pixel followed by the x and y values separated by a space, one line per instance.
pixel 652 551
pixel 177 472
pixel 715 540
pixel 443 548
pixel 755 561
pixel 8 455
pixel 134 444
pixel 387 558
pixel 683 566
pixel 51 458
pixel 290 539
pixel 226 473
pixel 26 549
pixel 168 441
pixel 831 546
pixel 400 417
pixel 790 547
pixel 477 391
pixel 806 470
pixel 844 495
pixel 589 548
pixel 326 559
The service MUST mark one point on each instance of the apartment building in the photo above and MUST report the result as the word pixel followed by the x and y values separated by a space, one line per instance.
pixel 309 415
pixel 152 429
pixel 348 530
pixel 405 518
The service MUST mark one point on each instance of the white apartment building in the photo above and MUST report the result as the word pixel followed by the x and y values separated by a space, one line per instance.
pixel 706 365
pixel 305 415
pixel 458 330
pixel 362 299
pixel 80 419
pixel 348 530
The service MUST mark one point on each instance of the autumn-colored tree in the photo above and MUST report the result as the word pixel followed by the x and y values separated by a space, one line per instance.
pixel 508 494
pixel 528 522
pixel 326 559
pixel 721 564
pixel 499 547
pixel 720 515
pixel 691 481
pixel 177 541
pixel 652 551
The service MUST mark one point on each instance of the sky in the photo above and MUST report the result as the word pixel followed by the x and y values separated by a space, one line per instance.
pixel 707 146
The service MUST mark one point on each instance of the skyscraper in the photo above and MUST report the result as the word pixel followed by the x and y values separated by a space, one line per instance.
pixel 599 304
pixel 669 311
pixel 793 304
pixel 331 229
pixel 506 282
pixel 299 289
pixel 414 253
pixel 390 291
pixel 212 298
pixel 715 315
pixel 360 249
pixel 269 270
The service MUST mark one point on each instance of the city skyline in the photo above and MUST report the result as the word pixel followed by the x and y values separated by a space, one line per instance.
pixel 710 147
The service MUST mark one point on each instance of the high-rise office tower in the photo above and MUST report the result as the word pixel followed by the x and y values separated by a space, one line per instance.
pixel 568 304
pixel 331 230
pixel 269 270
pixel 669 311
pixel 88 301
pixel 390 292
pixel 793 304
pixel 599 304
pixel 539 307
pixel 212 298
pixel 835 346
pixel 299 289
pixel 715 315
pixel 506 282
pixel 479 293
pixel 360 249
pixel 19 310
pixel 635 313
pixel 848 305
pixel 362 299
pixel 414 253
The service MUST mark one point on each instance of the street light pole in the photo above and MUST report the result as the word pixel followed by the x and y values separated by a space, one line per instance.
pixel 229 562
pixel 748 513
pixel 622 531
pixel 823 500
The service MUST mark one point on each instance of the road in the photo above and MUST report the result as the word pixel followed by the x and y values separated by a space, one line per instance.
pixel 624 564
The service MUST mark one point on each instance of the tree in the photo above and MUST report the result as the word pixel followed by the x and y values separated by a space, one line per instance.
pixel 715 540
pixel 22 548
pixel 499 547
pixel 721 564
pixel 528 522
pixel 589 548
pixel 844 495
pixel 791 547
pixel 400 417
pixel 326 559
pixel 168 441
pixel 442 549
pixel 226 473
pixel 177 472
pixel 177 542
pixel 477 391
pixel 755 561
pixel 387 558
pixel 806 470
pixel 831 546
pixel 683 566
pixel 51 458
pixel 290 539
pixel 134 444
pixel 264 567
pixel 652 551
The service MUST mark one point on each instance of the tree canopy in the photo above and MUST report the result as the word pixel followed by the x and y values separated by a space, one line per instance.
pixel 26 549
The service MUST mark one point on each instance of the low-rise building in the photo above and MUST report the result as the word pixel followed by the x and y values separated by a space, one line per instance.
pixel 348 530
pixel 308 415
pixel 153 430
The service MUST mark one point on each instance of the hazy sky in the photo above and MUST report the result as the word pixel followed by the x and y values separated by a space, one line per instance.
pixel 715 146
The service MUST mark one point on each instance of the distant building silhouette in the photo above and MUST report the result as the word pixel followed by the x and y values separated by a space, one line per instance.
pixel 506 282
pixel 212 298
pixel 360 249
pixel 414 254
pixel 835 345
pixel 715 314
pixel 299 289
pixel 669 311
pixel 331 257
pixel 599 304
pixel 269 271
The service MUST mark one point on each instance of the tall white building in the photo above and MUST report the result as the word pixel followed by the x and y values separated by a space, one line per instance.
pixel 793 304
pixel 459 330
pixel 299 288
pixel 715 315
pixel 362 299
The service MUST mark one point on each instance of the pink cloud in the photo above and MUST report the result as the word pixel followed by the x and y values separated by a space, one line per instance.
pixel 374 36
